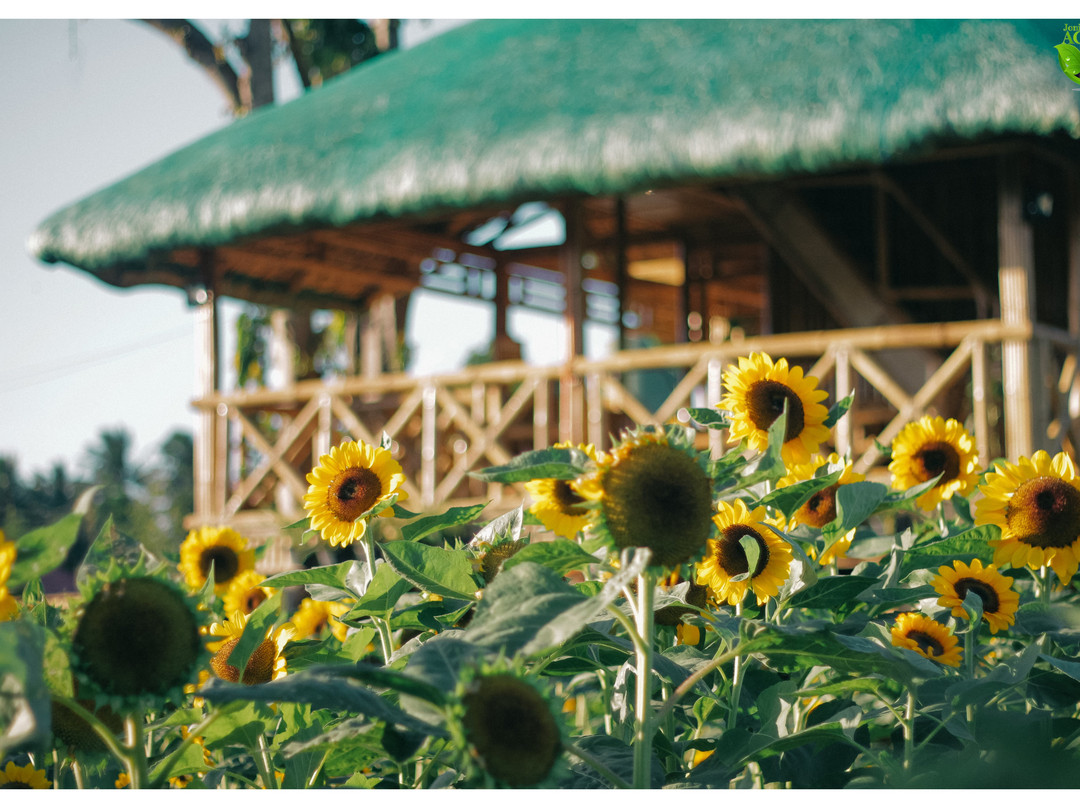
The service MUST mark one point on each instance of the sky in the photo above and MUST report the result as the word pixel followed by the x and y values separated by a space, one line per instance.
pixel 86 103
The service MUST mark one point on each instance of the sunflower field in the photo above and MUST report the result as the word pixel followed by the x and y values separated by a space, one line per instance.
pixel 658 617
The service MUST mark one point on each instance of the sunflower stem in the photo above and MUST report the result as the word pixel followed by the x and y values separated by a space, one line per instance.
pixel 385 639
pixel 909 729
pixel 596 763
pixel 135 751
pixel 266 766
pixel 1044 585
pixel 369 555
pixel 736 682
pixel 643 642
pixel 76 770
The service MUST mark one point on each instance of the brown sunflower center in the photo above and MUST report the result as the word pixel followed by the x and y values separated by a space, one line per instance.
pixel 259 669
pixel 657 496
pixel 927 644
pixel 137 636
pixel 732 557
pixel 353 492
pixel 820 509
pixel 253 598
pixel 936 457
pixel 224 559
pixel 765 401
pixel 1044 512
pixel 567 499
pixel 512 728
pixel 987 594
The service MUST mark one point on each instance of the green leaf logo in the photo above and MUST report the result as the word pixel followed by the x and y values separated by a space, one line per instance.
pixel 1069 59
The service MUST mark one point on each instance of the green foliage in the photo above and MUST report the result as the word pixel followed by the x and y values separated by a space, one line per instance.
pixel 651 681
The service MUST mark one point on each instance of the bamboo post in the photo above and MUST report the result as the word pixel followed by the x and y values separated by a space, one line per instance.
pixel 571 404
pixel 844 428
pixel 1015 264
pixel 206 384
pixel 427 446
pixel 978 400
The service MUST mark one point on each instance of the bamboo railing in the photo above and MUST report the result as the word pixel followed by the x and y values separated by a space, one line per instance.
pixel 444 426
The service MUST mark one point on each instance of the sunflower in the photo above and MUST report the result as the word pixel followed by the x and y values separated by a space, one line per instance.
pixel 136 639
pixel 557 504
pixel 312 616
pixel 726 559
pixel 72 732
pixel 650 492
pixel 999 601
pixel 756 393
pixel 931 446
pixel 1036 503
pixel 353 483
pixel 266 662
pixel 509 728
pixel 927 637
pixel 221 547
pixel 244 593
pixel 820 509
pixel 9 607
pixel 7 558
pixel 12 776
pixel 488 559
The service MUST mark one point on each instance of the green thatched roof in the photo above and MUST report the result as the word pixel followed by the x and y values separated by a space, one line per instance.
pixel 498 111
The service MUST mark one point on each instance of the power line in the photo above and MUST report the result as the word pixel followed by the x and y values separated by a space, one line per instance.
pixel 31 375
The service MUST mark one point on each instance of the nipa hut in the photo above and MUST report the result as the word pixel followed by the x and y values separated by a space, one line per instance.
pixel 891 204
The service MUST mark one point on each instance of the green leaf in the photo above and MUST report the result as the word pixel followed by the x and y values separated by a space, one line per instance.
pixel 340 578
pixel 966 547
pixel 437 570
pixel 531 609
pixel 191 761
pixel 41 551
pixel 438 663
pixel 613 754
pixel 451 518
pixel 890 597
pixel 1069 60
pixel 790 498
pixel 837 411
pixel 559 555
pixel 855 502
pixel 769 465
pixel 517 604
pixel 299 725
pixel 320 689
pixel 541 464
pixel 801 648
pixel 25 714
pixel 505 528
pixel 239 724
pixel 381 595
pixel 752 551
pixel 905 499
pixel 708 417
pixel 1067 667
pixel 831 592
pixel 387 678
pixel 258 625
